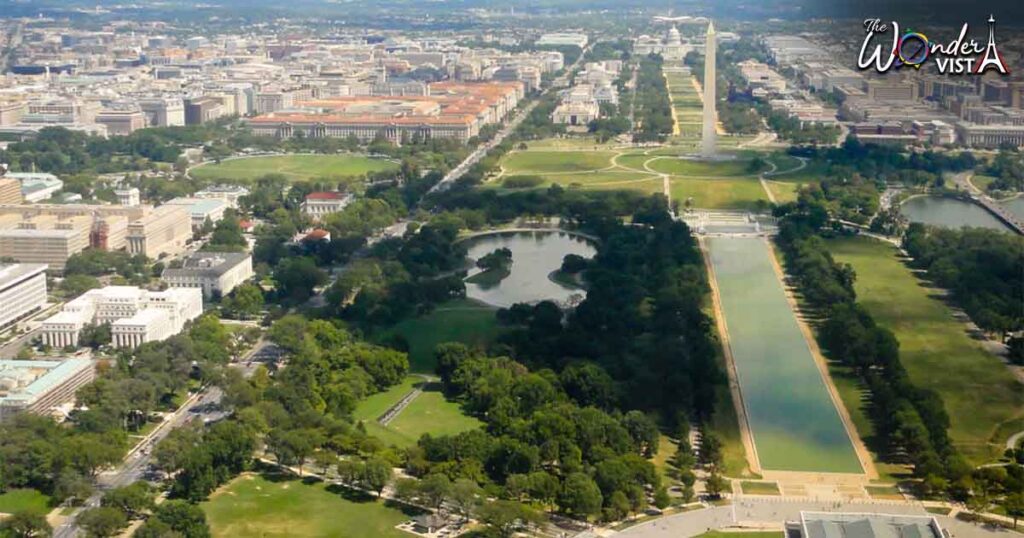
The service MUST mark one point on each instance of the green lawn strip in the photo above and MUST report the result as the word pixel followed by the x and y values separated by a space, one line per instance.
pixel 813 172
pixel 24 500
pixel 430 413
pixel 739 193
pixel 982 181
pixel 371 408
pixel 294 167
pixel 530 162
pixel 698 168
pixel 784 192
pixel 760 488
pixel 666 449
pixel 461 320
pixel 979 392
pixel 884 492
pixel 273 506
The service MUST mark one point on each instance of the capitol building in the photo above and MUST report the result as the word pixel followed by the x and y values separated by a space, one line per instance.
pixel 670 47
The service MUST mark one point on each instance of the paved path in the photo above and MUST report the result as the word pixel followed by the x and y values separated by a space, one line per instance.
pixel 1014 439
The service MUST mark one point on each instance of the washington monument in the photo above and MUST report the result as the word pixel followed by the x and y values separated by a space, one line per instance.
pixel 707 142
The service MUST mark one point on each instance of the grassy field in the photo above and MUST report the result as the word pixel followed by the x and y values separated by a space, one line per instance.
pixel 464 320
pixel 696 168
pixel 719 193
pixel 24 500
pixel 267 507
pixel 522 162
pixel 373 407
pixel 429 413
pixel 784 192
pixel 979 392
pixel 294 167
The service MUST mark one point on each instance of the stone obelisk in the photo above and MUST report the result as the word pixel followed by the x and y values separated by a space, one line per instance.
pixel 707 142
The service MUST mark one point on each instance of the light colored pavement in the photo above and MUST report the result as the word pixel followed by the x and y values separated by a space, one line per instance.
pixel 769 513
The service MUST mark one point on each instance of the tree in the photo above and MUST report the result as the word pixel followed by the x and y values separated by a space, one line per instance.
pixel 1014 506
pixel 76 285
pixel 435 489
pixel 376 475
pixel 505 517
pixel 245 301
pixel 185 518
pixel 465 496
pixel 661 498
pixel 580 496
pixel 297 277
pixel 325 459
pixel 715 484
pixel 72 487
pixel 102 522
pixel 25 525
pixel 133 500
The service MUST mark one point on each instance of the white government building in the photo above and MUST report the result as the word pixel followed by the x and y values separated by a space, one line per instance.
pixel 212 272
pixel 22 290
pixel 135 315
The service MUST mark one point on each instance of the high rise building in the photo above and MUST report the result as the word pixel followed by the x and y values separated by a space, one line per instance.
pixel 707 142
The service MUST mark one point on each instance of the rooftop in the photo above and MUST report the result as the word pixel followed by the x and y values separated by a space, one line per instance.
pixel 857 525
pixel 26 380
pixel 207 264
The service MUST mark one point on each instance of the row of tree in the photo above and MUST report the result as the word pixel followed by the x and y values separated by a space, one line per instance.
pixel 910 423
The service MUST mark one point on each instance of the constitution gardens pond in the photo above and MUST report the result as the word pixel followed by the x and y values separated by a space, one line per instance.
pixel 951 213
pixel 794 422
pixel 535 256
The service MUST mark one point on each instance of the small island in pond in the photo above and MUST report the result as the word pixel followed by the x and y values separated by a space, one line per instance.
pixel 570 274
pixel 495 266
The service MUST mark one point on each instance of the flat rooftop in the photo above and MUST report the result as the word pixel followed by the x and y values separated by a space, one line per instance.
pixel 864 525
pixel 24 381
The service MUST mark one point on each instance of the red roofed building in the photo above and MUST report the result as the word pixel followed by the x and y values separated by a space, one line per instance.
pixel 318 204
pixel 452 110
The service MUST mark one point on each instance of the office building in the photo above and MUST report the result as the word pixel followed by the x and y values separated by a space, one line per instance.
pixel 231 194
pixel 10 190
pixel 36 187
pixel 453 110
pixel 22 290
pixel 121 122
pixel 318 204
pixel 199 110
pixel 201 210
pixel 135 315
pixel 163 112
pixel 129 197
pixel 563 39
pixel 39 386
pixel 161 231
pixel 216 273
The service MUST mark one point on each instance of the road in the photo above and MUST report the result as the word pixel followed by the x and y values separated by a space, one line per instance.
pixel 200 406
pixel 481 151
pixel 204 406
